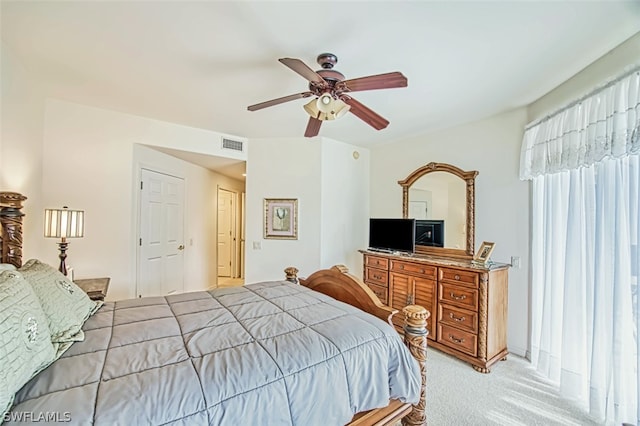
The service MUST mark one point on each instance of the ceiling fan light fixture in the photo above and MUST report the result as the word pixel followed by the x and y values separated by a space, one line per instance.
pixel 326 108
pixel 340 108
pixel 325 103
pixel 312 109
pixel 326 99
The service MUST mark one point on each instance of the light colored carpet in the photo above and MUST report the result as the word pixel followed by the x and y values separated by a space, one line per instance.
pixel 512 394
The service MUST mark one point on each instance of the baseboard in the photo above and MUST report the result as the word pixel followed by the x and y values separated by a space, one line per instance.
pixel 521 352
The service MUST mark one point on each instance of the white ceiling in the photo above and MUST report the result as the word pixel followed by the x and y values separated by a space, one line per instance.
pixel 202 63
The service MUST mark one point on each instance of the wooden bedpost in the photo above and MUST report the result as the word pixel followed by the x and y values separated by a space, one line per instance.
pixel 291 274
pixel 11 228
pixel 415 337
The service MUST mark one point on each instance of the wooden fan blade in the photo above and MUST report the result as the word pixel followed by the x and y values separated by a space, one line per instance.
pixel 303 69
pixel 313 127
pixel 373 82
pixel 277 101
pixel 365 114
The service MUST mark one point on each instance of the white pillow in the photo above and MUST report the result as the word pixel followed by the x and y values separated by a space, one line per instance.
pixel 26 346
pixel 66 306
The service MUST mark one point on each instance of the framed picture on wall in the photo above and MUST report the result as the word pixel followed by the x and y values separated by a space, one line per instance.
pixel 281 218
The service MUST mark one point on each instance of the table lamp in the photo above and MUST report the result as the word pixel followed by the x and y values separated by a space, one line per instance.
pixel 63 223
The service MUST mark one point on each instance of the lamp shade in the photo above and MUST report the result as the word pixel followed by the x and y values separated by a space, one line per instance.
pixel 63 223
pixel 326 108
pixel 325 103
pixel 313 111
pixel 339 108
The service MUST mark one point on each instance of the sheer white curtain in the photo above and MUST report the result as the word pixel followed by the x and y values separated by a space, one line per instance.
pixel 585 169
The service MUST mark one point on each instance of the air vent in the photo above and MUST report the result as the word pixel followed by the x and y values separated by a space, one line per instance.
pixel 231 144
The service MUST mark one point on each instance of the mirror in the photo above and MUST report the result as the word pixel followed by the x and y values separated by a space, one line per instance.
pixel 441 199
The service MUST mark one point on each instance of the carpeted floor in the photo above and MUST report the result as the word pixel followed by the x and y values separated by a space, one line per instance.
pixel 512 394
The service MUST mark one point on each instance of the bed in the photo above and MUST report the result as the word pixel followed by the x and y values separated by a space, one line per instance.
pixel 298 351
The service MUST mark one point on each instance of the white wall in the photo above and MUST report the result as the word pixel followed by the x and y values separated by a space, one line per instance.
pixel 332 192
pixel 492 147
pixel 21 120
pixel 91 161
pixel 283 168
pixel 344 205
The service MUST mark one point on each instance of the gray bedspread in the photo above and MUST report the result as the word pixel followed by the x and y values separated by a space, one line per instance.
pixel 271 353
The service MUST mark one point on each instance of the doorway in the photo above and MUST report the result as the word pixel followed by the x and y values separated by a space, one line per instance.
pixel 229 232
pixel 161 234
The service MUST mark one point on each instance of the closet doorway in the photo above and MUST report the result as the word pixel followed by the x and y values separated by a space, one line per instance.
pixel 228 234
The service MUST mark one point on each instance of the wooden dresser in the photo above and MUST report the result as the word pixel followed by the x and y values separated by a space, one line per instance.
pixel 468 303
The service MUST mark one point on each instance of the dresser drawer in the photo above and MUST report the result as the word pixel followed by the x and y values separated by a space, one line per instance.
pixel 463 319
pixel 459 276
pixel 380 291
pixel 425 271
pixel 460 296
pixel 376 276
pixel 461 340
pixel 377 262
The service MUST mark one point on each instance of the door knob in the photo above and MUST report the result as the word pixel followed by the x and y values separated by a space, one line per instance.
pixel 181 247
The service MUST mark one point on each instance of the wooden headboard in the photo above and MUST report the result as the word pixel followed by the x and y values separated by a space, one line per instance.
pixel 11 228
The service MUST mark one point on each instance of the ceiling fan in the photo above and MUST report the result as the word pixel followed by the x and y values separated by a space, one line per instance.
pixel 331 90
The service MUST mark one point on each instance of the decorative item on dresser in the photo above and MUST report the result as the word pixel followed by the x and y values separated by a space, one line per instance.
pixel 483 256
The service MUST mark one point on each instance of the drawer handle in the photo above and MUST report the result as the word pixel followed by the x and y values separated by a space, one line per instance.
pixel 401 266
pixel 422 271
pixel 456 277
pixel 377 277
pixel 455 318
pixel 455 339
pixel 461 297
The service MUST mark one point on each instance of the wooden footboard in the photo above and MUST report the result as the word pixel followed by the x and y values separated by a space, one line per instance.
pixel 339 284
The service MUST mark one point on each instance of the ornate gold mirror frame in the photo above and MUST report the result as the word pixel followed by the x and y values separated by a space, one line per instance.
pixel 469 178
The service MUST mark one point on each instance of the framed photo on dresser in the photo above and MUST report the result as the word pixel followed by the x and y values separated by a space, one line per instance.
pixel 484 252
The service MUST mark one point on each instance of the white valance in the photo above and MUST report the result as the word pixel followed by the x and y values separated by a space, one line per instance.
pixel 605 123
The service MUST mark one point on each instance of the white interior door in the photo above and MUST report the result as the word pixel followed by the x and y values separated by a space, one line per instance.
pixel 242 236
pixel 161 230
pixel 225 235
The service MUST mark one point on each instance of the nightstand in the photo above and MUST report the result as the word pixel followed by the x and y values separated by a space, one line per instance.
pixel 96 288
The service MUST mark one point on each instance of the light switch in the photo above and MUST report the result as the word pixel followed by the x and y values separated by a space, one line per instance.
pixel 257 245
pixel 515 261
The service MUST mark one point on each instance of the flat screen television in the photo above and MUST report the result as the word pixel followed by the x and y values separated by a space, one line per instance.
pixel 430 232
pixel 392 235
